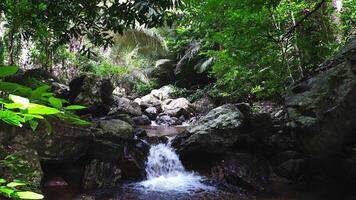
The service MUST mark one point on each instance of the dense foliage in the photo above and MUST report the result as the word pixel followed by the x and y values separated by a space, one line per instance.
pixel 261 47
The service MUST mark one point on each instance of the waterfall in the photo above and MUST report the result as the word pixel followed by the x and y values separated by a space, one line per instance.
pixel 165 172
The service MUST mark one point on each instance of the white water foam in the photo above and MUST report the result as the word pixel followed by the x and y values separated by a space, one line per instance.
pixel 165 172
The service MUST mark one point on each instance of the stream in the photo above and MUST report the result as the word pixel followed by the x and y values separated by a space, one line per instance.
pixel 167 179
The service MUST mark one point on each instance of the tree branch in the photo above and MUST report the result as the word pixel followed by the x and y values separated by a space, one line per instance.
pixel 290 31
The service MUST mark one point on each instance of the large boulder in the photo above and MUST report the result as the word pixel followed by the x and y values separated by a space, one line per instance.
pixel 66 143
pixel 93 92
pixel 115 161
pixel 323 110
pixel 123 105
pixel 115 129
pixel 243 170
pixel 213 133
pixel 178 107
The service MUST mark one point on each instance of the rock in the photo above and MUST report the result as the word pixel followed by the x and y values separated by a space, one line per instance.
pixel 163 93
pixel 152 113
pixel 140 133
pixel 99 174
pixel 133 160
pixel 323 110
pixel 123 105
pixel 127 155
pixel 114 129
pixel 243 170
pixel 292 169
pixel 66 143
pixel 142 120
pixel 177 107
pixel 156 97
pixel 93 92
pixel 215 132
pixel 155 140
pixel 35 78
pixel 203 105
pixel 165 120
pixel 163 72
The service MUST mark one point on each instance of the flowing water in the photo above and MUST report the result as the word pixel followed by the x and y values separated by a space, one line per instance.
pixel 167 179
pixel 165 172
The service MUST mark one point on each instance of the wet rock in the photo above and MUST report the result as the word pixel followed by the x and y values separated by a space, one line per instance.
pixel 127 155
pixel 215 132
pixel 133 160
pixel 165 120
pixel 140 133
pixel 93 92
pixel 99 174
pixel 114 129
pixel 141 120
pixel 178 107
pixel 243 170
pixel 152 113
pixel 154 140
pixel 323 112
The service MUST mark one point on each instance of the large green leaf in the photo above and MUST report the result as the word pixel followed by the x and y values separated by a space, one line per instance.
pixel 6 191
pixel 37 109
pixel 15 184
pixel 29 195
pixel 20 100
pixel 7 71
pixel 2 180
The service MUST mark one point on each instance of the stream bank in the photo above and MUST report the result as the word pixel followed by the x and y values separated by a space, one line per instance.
pixel 244 150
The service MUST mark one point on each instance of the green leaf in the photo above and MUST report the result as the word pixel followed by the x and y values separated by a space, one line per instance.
pixel 29 195
pixel 2 180
pixel 7 71
pixel 11 118
pixel 15 184
pixel 33 124
pixel 39 92
pixel 75 107
pixel 20 100
pixel 55 102
pixel 13 105
pixel 41 110
pixel 7 191
pixel 14 87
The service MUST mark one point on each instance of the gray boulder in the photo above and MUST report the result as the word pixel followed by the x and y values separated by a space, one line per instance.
pixel 178 107
pixel 123 105
pixel 213 133
pixel 114 129
pixel 323 109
